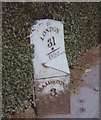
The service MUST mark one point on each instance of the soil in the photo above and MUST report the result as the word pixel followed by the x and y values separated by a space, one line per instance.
pixel 86 61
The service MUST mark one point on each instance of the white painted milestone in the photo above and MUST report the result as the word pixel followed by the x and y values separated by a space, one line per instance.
pixel 49 62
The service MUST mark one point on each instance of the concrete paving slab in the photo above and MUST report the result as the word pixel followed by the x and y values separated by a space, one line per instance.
pixel 85 104
pixel 92 77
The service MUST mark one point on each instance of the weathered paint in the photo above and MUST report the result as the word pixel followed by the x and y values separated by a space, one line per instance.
pixel 51 71
pixel 50 62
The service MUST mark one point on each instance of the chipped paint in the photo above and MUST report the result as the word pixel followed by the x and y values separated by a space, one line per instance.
pixel 50 60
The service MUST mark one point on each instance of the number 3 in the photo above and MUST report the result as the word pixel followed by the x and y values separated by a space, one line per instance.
pixel 53 91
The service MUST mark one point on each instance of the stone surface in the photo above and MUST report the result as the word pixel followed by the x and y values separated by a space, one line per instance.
pixel 51 70
pixel 53 105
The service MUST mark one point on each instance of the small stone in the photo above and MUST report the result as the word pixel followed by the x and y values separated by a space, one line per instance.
pixel 96 89
pixel 87 70
pixel 82 109
pixel 81 100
